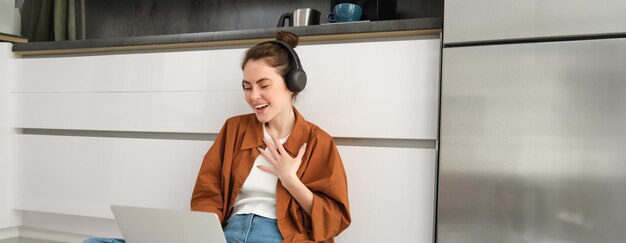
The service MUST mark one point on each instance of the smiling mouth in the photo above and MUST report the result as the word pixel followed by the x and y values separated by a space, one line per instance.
pixel 261 107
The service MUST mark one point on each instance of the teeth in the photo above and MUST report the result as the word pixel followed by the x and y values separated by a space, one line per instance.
pixel 261 106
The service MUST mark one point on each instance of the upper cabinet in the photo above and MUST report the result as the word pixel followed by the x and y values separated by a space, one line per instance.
pixel 119 25
pixel 94 19
pixel 111 18
pixel 489 20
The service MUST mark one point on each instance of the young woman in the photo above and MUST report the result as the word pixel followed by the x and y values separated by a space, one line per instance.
pixel 272 176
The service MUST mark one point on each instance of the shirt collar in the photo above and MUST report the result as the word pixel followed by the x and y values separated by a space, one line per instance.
pixel 299 135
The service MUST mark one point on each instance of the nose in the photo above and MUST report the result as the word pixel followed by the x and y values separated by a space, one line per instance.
pixel 254 93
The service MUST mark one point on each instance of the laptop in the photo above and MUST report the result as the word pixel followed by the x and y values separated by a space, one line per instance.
pixel 148 225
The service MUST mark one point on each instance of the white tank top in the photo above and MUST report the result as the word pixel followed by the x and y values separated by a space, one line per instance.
pixel 258 193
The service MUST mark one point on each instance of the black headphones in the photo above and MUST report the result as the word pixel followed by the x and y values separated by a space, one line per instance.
pixel 295 77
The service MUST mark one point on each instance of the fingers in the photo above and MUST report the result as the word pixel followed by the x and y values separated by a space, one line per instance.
pixel 279 145
pixel 272 148
pixel 269 157
pixel 267 169
pixel 301 152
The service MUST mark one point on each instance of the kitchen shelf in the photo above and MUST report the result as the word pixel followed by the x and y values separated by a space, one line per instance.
pixel 5 37
pixel 326 32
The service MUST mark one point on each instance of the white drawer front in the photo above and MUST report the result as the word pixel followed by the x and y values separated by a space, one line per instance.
pixel 392 193
pixel 168 71
pixel 391 189
pixel 85 175
pixel 379 89
pixel 195 112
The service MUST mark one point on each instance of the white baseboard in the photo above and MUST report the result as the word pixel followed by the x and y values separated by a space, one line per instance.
pixel 44 234
pixel 10 232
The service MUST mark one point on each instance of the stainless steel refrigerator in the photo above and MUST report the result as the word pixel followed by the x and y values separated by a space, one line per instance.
pixel 533 122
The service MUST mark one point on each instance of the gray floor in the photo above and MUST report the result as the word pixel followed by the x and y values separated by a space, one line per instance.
pixel 27 240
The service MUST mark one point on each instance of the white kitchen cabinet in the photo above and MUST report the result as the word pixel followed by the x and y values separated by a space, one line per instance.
pixel 361 91
pixel 8 217
pixel 389 88
pixel 391 190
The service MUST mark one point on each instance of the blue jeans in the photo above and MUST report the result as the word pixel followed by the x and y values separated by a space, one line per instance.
pixel 251 228
pixel 240 228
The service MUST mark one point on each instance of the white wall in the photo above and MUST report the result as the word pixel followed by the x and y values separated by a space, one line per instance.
pixel 8 217
pixel 9 17
pixel 373 91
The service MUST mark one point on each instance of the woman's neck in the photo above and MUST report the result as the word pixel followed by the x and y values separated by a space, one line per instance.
pixel 282 124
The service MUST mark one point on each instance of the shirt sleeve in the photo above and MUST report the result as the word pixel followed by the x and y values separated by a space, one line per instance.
pixel 330 214
pixel 207 194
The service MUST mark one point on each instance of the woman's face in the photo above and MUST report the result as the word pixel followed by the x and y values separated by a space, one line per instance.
pixel 265 90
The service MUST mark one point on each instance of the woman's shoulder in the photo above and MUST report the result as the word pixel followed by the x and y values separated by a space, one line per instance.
pixel 319 134
pixel 240 120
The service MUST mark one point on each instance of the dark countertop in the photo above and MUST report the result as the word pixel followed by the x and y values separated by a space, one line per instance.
pixel 330 31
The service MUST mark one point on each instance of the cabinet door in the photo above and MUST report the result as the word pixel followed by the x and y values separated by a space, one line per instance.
pixel 391 194
pixel 391 190
pixel 83 176
pixel 7 73
pixel 532 143
pixel 388 87
pixel 479 20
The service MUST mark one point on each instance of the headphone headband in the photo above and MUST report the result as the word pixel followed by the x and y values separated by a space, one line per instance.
pixel 288 48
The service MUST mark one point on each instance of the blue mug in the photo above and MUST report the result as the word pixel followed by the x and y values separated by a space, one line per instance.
pixel 345 12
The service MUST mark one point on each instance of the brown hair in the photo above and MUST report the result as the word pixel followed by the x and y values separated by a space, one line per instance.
pixel 273 54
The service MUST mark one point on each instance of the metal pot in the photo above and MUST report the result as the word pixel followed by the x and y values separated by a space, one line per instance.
pixel 300 17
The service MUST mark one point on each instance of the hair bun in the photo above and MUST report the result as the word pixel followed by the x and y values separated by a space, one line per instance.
pixel 288 37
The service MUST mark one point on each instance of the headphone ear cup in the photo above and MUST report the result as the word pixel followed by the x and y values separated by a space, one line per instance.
pixel 297 80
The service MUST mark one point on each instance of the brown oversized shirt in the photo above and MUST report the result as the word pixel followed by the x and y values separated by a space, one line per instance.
pixel 228 162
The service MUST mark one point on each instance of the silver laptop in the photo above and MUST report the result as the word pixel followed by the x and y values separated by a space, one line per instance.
pixel 148 225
